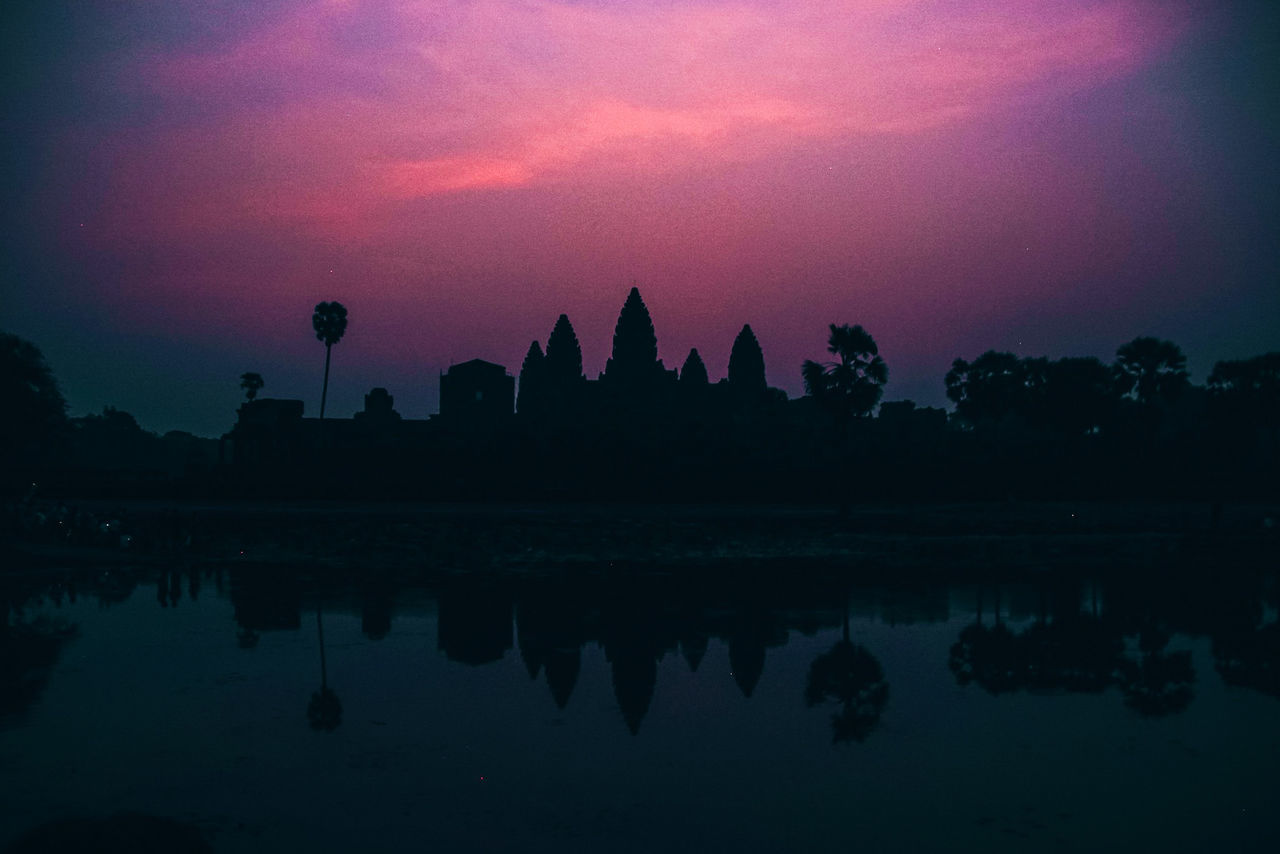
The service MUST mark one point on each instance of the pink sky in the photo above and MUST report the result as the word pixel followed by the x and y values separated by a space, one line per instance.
pixel 954 176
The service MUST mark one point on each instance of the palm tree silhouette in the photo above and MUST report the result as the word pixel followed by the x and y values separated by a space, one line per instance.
pixel 852 385
pixel 251 382
pixel 330 322
pixel 847 388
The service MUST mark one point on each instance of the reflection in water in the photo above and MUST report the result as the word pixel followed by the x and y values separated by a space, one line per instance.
pixel 28 651
pixel 1250 658
pixel 375 612
pixel 851 676
pixel 125 832
pixel 1070 649
pixel 685 665
pixel 1156 682
pixel 324 710
pixel 475 622
pixel 551 632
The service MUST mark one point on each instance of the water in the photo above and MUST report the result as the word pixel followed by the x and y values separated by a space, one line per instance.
pixel 514 714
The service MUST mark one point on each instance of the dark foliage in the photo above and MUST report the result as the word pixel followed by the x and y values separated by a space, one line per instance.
pixel 989 388
pixel 252 383
pixel 34 419
pixel 849 675
pixel 329 320
pixel 851 385
pixel 324 710
pixel 1247 391
pixel 1151 370
pixel 1072 395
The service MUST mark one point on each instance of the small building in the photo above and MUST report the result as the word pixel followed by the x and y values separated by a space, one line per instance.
pixel 477 392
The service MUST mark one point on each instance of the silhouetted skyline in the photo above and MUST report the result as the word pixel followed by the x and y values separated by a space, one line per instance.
pixel 185 181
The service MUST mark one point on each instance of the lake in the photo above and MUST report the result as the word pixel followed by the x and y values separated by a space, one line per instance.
pixel 274 708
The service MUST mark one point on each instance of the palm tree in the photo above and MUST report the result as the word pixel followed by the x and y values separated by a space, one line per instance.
pixel 847 388
pixel 330 322
pixel 251 382
pixel 852 385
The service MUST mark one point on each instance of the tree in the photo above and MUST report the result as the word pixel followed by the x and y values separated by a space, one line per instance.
pixel 251 382
pixel 635 344
pixel 35 415
pixel 1151 370
pixel 694 372
pixel 330 323
pixel 114 440
pixel 1077 396
pixel 1156 682
pixel 850 675
pixel 851 386
pixel 1248 390
pixel 746 362
pixel 989 388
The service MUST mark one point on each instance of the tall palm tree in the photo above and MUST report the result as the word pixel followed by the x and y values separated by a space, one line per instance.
pixel 251 382
pixel 330 322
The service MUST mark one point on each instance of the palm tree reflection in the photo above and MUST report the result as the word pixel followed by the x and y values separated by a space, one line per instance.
pixel 851 676
pixel 324 711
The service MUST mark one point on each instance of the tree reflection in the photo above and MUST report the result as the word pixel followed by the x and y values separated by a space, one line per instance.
pixel 1158 682
pixel 324 710
pixel 1074 651
pixel 849 675
pixel 988 655
pixel 28 652
pixel 1249 658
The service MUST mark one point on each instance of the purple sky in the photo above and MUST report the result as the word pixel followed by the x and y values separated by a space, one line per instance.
pixel 187 179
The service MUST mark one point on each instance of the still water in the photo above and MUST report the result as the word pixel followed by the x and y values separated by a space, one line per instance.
pixel 274 712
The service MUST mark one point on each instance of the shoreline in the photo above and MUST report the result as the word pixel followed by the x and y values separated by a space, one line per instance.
pixel 1006 539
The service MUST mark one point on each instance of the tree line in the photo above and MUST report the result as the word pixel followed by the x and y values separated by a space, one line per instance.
pixel 1019 426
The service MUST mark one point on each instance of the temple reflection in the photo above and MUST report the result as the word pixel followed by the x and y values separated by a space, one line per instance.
pixel 1129 636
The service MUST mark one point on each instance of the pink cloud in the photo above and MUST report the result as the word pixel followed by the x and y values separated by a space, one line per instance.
pixel 457 96
pixel 744 162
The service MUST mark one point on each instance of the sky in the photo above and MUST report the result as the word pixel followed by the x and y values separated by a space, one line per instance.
pixel 185 179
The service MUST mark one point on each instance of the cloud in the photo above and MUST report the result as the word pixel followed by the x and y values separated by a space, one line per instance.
pixel 378 102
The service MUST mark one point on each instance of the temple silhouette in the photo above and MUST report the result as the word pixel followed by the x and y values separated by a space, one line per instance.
pixel 1021 428
pixel 558 436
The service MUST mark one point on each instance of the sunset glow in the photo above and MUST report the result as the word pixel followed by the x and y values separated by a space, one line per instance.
pixel 1046 177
